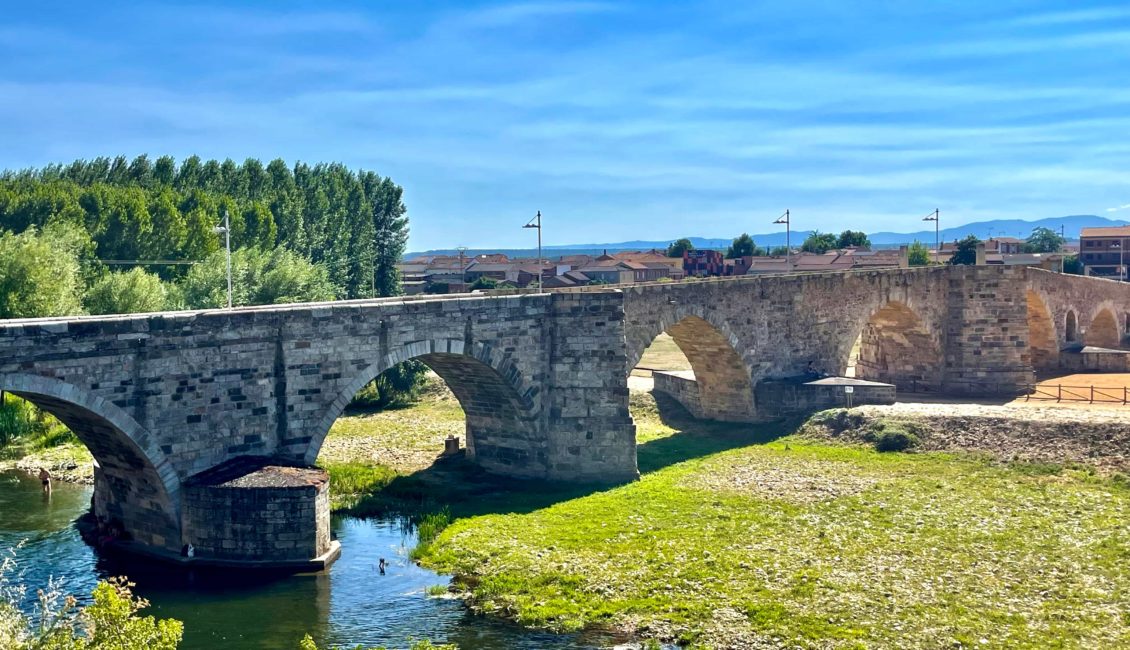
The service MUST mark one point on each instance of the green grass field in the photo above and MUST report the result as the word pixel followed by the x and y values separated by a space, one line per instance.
pixel 743 536
pixel 729 541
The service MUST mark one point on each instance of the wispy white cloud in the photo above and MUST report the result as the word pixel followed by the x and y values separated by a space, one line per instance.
pixel 1124 206
pixel 510 14
pixel 1060 18
pixel 486 110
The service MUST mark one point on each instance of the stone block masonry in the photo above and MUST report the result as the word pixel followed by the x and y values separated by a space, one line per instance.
pixel 252 509
pixel 160 398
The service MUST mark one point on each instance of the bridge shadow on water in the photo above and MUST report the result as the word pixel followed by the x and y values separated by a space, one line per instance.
pixel 459 487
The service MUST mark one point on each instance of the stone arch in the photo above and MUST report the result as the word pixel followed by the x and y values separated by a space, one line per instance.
pixel 501 409
pixel 1103 331
pixel 895 346
pixel 134 482
pixel 1071 327
pixel 1042 340
pixel 724 382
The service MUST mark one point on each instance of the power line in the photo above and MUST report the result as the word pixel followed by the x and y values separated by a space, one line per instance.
pixel 148 262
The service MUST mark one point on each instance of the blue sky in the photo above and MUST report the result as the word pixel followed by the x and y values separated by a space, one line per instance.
pixel 618 120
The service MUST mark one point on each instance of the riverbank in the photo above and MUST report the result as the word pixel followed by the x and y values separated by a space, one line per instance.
pixel 729 541
pixel 67 460
pixel 768 536
pixel 1096 437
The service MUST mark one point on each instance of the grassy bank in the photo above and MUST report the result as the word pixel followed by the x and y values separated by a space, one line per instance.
pixel 725 543
pixel 31 439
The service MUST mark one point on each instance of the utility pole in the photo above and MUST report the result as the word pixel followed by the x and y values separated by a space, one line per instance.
pixel 933 216
pixel 226 230
pixel 536 223
pixel 784 218
pixel 1061 251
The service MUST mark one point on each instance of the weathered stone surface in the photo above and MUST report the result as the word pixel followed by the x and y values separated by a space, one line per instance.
pixel 250 509
pixel 542 377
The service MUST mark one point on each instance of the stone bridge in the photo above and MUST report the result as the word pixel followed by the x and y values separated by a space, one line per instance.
pixel 182 411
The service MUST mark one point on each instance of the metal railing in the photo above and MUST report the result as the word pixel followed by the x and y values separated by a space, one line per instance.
pixel 1029 391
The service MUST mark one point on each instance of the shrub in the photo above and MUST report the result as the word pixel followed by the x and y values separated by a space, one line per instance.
pixel 838 420
pixel 109 622
pixel 894 439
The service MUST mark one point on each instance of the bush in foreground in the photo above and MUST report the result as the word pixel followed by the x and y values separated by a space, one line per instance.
pixel 110 622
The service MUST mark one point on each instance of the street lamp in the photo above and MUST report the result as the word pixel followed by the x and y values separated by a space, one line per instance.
pixel 784 218
pixel 536 223
pixel 226 230
pixel 933 216
pixel 1121 259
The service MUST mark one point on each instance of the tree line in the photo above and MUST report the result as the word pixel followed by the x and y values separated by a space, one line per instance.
pixel 1042 240
pixel 301 232
pixel 744 246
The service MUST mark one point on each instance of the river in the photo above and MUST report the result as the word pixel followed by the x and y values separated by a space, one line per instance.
pixel 349 604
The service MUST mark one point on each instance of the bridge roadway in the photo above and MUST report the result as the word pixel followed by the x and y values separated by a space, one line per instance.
pixel 180 409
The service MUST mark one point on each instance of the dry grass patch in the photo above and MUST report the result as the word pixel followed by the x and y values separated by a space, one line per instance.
pixel 787 477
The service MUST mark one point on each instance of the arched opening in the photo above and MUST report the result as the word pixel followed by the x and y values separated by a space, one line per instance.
pixel 1103 331
pixel 703 370
pixel 133 485
pixel 1071 328
pixel 1041 334
pixel 500 414
pixel 895 347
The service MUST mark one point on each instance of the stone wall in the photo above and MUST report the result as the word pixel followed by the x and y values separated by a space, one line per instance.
pixel 1083 361
pixel 252 511
pixel 770 327
pixel 590 433
pixel 1087 302
pixel 542 377
pixel 682 387
pixel 987 350
pixel 787 398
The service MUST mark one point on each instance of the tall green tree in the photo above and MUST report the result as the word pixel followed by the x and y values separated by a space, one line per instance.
pixel 678 247
pixel 819 243
pixel 1043 240
pixel 258 278
pixel 918 254
pixel 965 251
pixel 853 239
pixel 742 246
pixel 38 277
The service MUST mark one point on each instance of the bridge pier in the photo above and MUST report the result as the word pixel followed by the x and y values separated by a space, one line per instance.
pixel 256 512
pixel 167 403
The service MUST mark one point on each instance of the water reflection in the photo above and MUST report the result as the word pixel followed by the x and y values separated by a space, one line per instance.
pixel 351 604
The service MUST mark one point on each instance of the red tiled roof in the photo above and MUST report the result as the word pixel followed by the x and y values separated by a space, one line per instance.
pixel 1108 231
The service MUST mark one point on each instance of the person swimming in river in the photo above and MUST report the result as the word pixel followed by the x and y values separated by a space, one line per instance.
pixel 45 479
pixel 381 566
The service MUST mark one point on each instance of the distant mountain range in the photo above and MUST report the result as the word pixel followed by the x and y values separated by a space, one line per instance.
pixel 1070 226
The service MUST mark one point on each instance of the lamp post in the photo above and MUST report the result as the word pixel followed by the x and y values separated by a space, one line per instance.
pixel 536 223
pixel 933 216
pixel 226 230
pixel 1121 258
pixel 784 218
